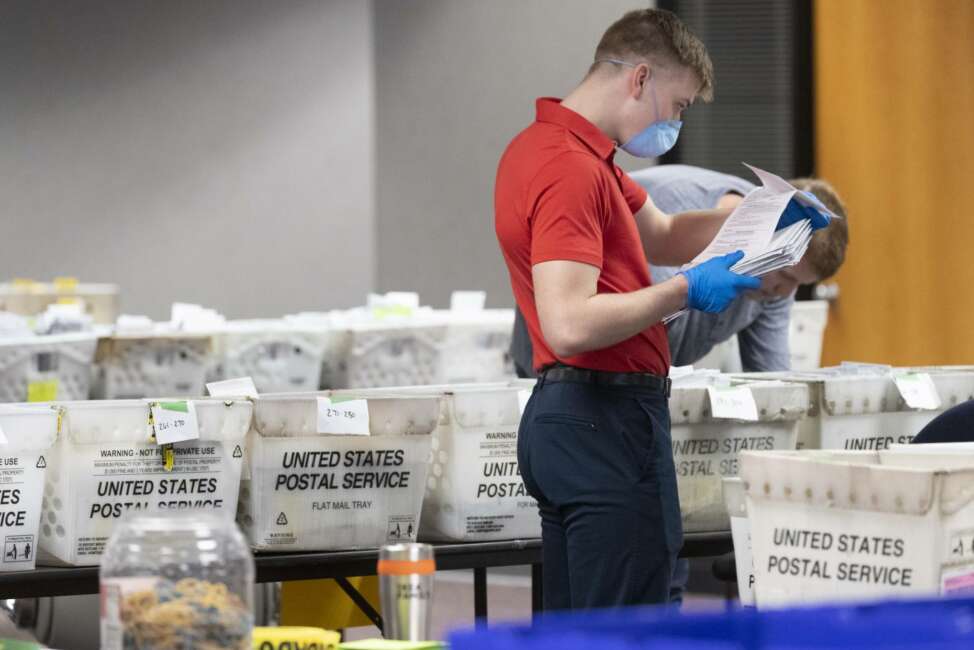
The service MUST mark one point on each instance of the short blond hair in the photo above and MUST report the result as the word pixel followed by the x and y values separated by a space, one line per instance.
pixel 660 37
pixel 826 252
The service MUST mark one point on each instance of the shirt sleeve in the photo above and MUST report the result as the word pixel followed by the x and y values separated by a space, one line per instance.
pixel 764 343
pixel 568 208
pixel 634 192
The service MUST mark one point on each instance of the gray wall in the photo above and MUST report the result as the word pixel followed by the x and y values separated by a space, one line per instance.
pixel 217 152
pixel 456 80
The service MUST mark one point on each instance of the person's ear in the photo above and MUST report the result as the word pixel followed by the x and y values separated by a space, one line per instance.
pixel 640 80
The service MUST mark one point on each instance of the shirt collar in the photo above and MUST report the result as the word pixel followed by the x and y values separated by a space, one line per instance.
pixel 550 109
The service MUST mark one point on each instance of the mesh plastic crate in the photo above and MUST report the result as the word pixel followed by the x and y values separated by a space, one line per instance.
pixel 806 332
pixel 866 411
pixel 306 490
pixel 28 434
pixel 474 492
pixel 394 354
pixel 106 465
pixel 133 366
pixel 705 448
pixel 277 355
pixel 850 526
pixel 44 368
pixel 30 298
pixel 475 348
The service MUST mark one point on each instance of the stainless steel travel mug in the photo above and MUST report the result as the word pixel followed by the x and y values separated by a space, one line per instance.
pixel 406 590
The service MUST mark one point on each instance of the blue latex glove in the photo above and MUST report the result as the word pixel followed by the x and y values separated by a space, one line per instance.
pixel 713 286
pixel 795 212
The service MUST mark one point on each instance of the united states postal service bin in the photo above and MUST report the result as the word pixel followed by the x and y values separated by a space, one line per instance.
pixel 866 411
pixel 27 434
pixel 45 368
pixel 328 473
pixel 735 498
pixel 336 340
pixel 705 448
pixel 395 353
pixel 474 492
pixel 145 364
pixel 475 348
pixel 106 464
pixel 806 333
pixel 278 356
pixel 845 526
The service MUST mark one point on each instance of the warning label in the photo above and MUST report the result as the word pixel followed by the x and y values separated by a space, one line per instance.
pixel 401 528
pixel 481 479
pixel 19 548
pixel 113 480
pixel 21 489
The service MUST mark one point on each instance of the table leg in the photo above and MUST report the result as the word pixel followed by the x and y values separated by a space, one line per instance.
pixel 480 595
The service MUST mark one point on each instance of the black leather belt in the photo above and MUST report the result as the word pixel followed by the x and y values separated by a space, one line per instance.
pixel 604 378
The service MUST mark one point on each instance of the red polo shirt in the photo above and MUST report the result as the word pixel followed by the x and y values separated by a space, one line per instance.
pixel 560 196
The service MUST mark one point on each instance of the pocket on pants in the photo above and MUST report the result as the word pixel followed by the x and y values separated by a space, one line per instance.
pixel 566 419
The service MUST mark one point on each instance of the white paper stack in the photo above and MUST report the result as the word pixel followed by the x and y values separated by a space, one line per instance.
pixel 751 228
pixel 787 247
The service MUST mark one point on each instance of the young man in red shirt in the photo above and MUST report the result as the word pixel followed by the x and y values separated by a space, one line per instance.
pixel 594 443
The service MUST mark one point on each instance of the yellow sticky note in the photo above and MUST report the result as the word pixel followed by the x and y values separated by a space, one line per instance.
pixel 42 391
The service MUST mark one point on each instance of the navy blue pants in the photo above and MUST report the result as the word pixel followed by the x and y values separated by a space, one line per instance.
pixel 599 461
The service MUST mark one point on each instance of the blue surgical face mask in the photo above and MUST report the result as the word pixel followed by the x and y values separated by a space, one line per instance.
pixel 657 138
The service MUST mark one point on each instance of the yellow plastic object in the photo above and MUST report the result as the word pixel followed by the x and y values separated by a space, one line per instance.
pixel 42 391
pixel 322 603
pixel 295 638
pixel 389 644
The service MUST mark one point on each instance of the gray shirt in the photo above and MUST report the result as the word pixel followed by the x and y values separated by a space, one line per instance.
pixel 761 326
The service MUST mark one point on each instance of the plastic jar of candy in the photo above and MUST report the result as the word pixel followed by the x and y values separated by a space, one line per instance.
pixel 176 581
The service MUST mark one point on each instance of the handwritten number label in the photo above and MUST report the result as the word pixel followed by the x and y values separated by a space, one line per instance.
pixel 918 391
pixel 343 417
pixel 175 422
pixel 732 403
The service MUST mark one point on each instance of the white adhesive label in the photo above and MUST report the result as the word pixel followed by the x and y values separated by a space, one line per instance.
pixel 175 422
pixel 335 492
pixel 918 390
pixel 741 533
pixel 21 489
pixel 3 437
pixel 112 481
pixel 343 417
pixel 522 399
pixel 732 402
pixel 239 387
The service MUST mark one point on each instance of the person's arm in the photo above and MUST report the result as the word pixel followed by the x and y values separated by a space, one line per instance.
pixel 764 343
pixel 674 240
pixel 575 318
